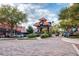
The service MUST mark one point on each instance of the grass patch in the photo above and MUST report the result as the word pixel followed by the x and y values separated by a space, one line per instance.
pixel 33 35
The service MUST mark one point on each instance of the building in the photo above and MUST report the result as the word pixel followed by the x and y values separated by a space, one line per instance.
pixel 5 29
pixel 42 24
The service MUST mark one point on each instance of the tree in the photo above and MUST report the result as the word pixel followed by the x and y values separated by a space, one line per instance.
pixel 69 16
pixel 30 29
pixel 74 11
pixel 65 23
pixel 55 28
pixel 11 15
pixel 64 14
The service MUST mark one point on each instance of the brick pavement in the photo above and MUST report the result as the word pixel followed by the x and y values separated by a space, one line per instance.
pixel 46 47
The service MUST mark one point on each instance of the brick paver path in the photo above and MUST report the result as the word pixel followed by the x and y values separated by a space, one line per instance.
pixel 48 47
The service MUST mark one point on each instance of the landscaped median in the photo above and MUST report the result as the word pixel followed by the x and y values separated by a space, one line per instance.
pixel 74 42
pixel 32 36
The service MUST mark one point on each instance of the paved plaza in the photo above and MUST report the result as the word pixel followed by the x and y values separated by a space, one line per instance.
pixel 45 47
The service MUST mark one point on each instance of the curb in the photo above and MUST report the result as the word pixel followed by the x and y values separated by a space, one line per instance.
pixel 7 38
pixel 74 41
pixel 73 44
pixel 77 50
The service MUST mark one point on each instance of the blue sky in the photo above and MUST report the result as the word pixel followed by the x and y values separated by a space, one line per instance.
pixel 37 10
pixel 55 7
pixel 47 10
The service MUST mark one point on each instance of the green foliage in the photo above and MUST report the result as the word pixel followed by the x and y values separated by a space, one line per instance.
pixel 74 11
pixel 45 35
pixel 33 35
pixel 30 29
pixel 69 16
pixel 65 23
pixel 44 30
pixel 11 15
pixel 50 34
pixel 64 14
pixel 55 28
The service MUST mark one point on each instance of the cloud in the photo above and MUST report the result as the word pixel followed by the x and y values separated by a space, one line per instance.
pixel 36 11
pixel 71 4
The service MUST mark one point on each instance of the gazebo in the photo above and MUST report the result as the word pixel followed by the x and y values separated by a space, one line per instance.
pixel 43 23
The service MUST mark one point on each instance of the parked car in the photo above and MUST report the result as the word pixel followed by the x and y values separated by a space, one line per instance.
pixel 66 34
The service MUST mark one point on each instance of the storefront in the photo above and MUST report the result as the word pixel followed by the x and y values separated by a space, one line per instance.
pixel 6 31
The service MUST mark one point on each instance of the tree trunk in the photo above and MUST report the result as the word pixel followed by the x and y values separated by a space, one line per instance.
pixel 11 32
pixel 48 29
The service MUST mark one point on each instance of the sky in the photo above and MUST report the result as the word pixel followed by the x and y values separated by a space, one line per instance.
pixel 37 10
pixel 48 10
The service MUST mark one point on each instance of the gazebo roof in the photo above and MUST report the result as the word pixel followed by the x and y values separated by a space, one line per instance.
pixel 37 24
pixel 44 20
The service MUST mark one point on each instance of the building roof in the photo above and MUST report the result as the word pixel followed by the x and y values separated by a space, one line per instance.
pixel 5 25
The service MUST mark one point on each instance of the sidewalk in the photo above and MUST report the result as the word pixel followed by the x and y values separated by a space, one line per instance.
pixel 75 43
pixel 53 46
pixel 70 40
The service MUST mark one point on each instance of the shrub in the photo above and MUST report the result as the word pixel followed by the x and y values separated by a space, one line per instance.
pixel 32 35
pixel 45 35
pixel 30 29
pixel 50 34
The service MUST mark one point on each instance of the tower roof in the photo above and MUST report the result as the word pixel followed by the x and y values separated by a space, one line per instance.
pixel 44 22
pixel 43 19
